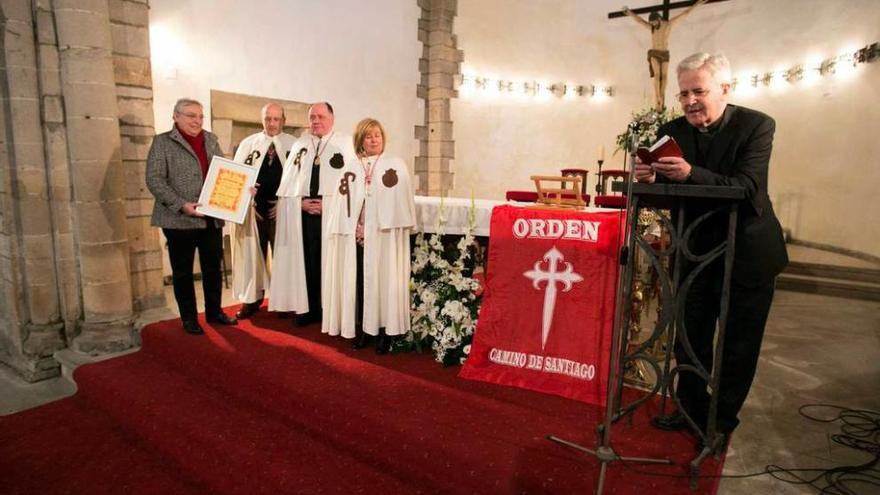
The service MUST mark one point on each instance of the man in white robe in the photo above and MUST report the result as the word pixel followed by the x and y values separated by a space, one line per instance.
pixel 375 209
pixel 267 150
pixel 311 177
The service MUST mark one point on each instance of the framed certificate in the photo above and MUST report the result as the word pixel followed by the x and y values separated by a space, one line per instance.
pixel 227 191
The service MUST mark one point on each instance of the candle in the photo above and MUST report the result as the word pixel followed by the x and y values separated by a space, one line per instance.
pixel 602 153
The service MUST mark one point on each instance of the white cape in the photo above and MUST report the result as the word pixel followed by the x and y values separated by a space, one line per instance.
pixel 250 276
pixel 389 217
pixel 288 284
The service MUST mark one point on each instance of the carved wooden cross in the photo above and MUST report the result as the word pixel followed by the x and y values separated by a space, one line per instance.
pixel 664 8
pixel 660 25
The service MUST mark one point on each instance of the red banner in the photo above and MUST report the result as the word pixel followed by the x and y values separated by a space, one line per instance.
pixel 548 308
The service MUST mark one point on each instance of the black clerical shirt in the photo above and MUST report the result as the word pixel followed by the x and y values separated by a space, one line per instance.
pixel 269 179
pixel 704 137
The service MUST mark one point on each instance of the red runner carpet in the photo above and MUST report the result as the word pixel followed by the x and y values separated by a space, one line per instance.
pixel 265 408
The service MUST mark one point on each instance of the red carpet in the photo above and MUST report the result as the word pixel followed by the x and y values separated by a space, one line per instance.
pixel 264 408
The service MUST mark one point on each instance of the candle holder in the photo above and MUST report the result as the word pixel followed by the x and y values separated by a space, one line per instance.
pixel 599 188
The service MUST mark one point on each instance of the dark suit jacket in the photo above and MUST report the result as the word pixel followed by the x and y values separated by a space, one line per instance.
pixel 174 176
pixel 739 155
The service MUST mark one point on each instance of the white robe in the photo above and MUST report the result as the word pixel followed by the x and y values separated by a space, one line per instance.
pixel 389 217
pixel 250 275
pixel 288 284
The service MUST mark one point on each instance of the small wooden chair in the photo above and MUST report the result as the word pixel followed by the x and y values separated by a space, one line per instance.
pixel 577 172
pixel 611 199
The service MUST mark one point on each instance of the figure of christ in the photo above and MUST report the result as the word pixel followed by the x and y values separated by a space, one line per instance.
pixel 658 54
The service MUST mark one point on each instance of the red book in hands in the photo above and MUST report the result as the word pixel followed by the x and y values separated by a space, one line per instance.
pixel 665 146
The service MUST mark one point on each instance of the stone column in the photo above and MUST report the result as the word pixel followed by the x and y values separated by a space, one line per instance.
pixel 440 65
pixel 30 326
pixel 97 179
pixel 129 25
pixel 55 146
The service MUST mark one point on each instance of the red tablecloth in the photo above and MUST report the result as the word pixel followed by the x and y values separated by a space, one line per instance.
pixel 548 308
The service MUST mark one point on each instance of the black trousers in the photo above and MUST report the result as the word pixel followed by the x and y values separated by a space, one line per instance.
pixel 266 234
pixel 747 316
pixel 266 237
pixel 359 288
pixel 311 234
pixel 182 245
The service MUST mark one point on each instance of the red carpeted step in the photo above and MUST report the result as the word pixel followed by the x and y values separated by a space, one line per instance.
pixel 262 408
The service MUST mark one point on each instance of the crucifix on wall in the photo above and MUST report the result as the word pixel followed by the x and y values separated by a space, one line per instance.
pixel 660 25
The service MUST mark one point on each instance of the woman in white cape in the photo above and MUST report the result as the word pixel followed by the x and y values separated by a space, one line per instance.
pixel 366 281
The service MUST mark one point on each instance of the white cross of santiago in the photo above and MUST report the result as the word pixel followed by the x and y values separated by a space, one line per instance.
pixel 551 276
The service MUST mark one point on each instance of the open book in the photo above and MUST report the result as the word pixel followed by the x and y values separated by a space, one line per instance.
pixel 665 146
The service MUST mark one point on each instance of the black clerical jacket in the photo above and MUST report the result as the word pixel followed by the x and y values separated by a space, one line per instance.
pixel 738 155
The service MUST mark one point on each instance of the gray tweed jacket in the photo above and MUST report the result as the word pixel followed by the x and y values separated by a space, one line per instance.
pixel 175 177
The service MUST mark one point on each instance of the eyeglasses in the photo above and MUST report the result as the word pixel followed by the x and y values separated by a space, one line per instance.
pixel 192 115
pixel 698 93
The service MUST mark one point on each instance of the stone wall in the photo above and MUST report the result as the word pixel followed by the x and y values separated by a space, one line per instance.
pixel 440 66
pixel 129 24
pixel 236 116
pixel 31 327
pixel 75 250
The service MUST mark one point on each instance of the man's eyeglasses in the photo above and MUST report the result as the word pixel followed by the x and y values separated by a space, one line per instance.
pixel 192 115
pixel 698 94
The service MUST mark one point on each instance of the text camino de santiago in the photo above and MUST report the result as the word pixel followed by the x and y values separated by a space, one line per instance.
pixel 579 230
pixel 547 364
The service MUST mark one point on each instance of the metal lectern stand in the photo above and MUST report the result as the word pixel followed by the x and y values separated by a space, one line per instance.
pixel 716 203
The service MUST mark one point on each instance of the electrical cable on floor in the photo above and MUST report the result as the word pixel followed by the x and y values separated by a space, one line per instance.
pixel 860 430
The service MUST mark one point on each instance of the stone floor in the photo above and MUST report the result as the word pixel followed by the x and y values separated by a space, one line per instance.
pixel 817 349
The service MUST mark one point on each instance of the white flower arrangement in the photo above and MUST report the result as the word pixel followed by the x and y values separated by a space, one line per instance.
pixel 445 303
pixel 645 124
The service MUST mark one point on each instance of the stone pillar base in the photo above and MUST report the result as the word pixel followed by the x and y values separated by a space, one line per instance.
pixel 33 368
pixel 103 338
pixel 35 362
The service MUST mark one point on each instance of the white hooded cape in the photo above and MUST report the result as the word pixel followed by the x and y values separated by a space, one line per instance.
pixel 389 217
pixel 250 276
pixel 288 285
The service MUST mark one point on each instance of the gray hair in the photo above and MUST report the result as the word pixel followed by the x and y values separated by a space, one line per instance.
pixel 185 102
pixel 715 64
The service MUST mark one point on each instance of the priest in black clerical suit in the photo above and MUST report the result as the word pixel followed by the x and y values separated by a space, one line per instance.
pixel 723 145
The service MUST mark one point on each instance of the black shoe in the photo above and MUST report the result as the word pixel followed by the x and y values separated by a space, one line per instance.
pixel 383 345
pixel 285 315
pixel 221 318
pixel 673 422
pixel 192 327
pixel 362 340
pixel 247 310
pixel 307 319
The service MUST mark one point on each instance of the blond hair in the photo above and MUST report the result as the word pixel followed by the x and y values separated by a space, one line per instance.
pixel 360 134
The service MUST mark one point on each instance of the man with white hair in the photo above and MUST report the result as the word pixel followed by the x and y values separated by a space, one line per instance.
pixel 311 178
pixel 177 165
pixel 723 145
pixel 267 150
